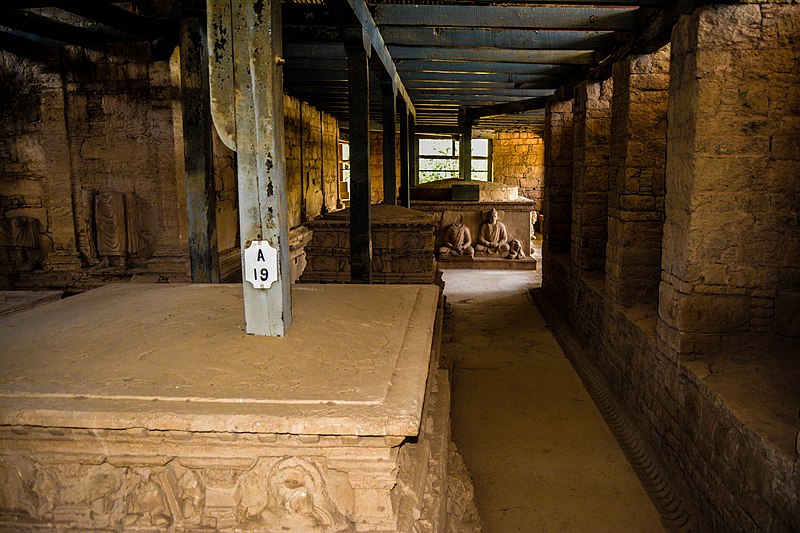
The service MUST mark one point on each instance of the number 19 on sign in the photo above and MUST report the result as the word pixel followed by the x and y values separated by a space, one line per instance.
pixel 261 264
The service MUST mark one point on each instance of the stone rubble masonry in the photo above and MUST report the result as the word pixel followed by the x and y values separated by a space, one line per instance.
pixel 107 121
pixel 636 182
pixel 312 161
pixel 731 261
pixel 518 160
pixel 592 116
pixel 557 200
pixel 110 121
pixel 376 165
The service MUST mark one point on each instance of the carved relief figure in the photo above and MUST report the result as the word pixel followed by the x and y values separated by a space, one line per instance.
pixel 298 499
pixel 457 240
pixel 492 236
pixel 192 496
pixel 515 250
pixel 145 504
pixel 109 212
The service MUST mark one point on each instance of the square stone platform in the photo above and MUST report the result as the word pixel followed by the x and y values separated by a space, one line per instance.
pixel 147 406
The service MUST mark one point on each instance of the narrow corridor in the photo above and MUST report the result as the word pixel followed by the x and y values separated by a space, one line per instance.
pixel 539 452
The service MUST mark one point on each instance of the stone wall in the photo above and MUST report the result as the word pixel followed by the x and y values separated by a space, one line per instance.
pixel 110 122
pixel 702 374
pixel 376 165
pixel 312 161
pixel 518 159
pixel 557 201
pixel 106 122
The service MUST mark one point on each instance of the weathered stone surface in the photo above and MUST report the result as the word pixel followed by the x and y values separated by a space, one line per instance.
pixel 592 128
pixel 138 434
pixel 518 160
pixel 403 243
pixel 723 233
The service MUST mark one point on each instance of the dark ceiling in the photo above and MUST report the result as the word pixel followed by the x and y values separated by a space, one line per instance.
pixel 496 62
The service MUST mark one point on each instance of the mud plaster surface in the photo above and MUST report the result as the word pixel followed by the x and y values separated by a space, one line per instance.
pixel 175 357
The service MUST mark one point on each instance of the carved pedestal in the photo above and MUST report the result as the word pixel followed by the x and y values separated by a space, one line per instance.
pixel 515 215
pixel 402 247
pixel 146 407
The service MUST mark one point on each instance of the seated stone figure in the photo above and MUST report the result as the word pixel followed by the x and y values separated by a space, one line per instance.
pixel 492 236
pixel 457 240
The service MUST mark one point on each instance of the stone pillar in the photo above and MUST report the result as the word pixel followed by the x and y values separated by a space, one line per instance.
pixel 557 201
pixel 60 187
pixel 731 246
pixel 636 182
pixel 592 128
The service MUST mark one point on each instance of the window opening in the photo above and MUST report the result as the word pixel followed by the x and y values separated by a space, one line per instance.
pixel 344 170
pixel 438 159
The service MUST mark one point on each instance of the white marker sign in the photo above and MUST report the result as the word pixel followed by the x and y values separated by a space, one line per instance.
pixel 261 264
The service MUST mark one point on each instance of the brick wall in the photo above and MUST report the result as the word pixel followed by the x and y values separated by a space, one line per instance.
pixel 518 159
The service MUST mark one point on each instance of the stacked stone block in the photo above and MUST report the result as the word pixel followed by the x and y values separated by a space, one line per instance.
pixel 518 160
pixel 637 172
pixel 376 165
pixel 557 200
pixel 104 121
pixel 592 115
pixel 731 257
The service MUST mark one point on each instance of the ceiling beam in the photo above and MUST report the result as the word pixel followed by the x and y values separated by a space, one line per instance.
pixel 144 28
pixel 33 23
pixel 478 86
pixel 451 77
pixel 362 13
pixel 517 39
pixel 469 67
pixel 315 50
pixel 519 106
pixel 564 57
pixel 539 17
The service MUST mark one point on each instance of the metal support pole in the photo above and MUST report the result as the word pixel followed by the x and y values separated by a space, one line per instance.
pixel 198 153
pixel 360 201
pixel 405 155
pixel 247 107
pixel 465 148
pixel 389 143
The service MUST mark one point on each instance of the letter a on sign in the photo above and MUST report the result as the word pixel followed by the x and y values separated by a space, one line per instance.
pixel 261 264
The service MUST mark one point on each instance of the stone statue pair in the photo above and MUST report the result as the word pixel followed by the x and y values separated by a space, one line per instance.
pixel 492 239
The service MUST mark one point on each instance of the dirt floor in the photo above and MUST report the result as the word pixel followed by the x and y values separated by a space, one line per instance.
pixel 539 452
